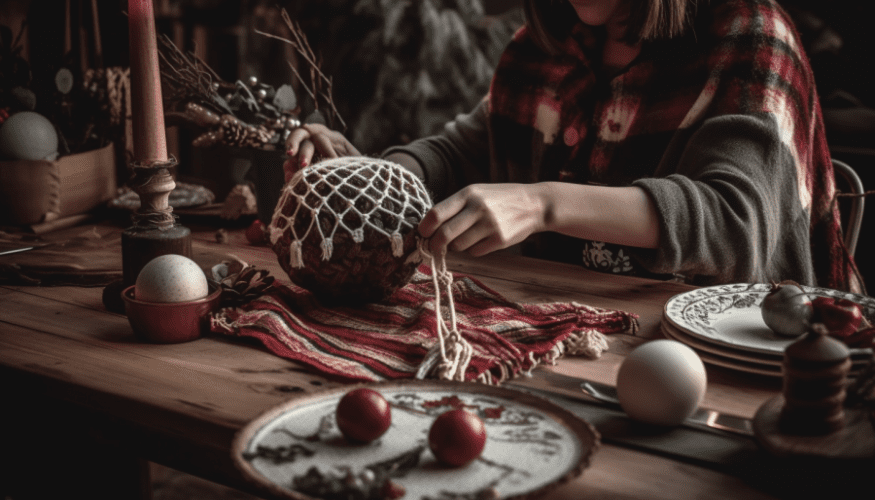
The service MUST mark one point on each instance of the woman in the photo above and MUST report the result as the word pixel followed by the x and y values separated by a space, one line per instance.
pixel 650 137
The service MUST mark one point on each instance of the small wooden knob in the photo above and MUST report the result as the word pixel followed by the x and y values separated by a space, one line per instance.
pixel 815 377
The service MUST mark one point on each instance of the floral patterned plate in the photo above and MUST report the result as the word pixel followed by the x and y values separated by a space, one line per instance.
pixel 748 361
pixel 699 345
pixel 729 315
pixel 532 445
pixel 717 357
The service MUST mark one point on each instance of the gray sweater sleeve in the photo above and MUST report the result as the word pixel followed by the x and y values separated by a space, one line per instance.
pixel 729 206
pixel 456 157
pixel 727 197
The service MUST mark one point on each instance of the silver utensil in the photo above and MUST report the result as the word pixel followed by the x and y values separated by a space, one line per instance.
pixel 15 250
pixel 701 418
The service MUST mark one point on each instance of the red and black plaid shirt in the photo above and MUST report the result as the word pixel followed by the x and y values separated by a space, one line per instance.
pixel 560 119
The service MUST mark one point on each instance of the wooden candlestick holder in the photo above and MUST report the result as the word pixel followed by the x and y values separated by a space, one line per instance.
pixel 153 184
pixel 155 231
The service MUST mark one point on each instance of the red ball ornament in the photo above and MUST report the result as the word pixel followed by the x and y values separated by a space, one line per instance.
pixel 457 437
pixel 256 233
pixel 345 228
pixel 842 317
pixel 363 415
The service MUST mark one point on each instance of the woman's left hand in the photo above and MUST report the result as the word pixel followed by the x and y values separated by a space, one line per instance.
pixel 313 139
pixel 483 218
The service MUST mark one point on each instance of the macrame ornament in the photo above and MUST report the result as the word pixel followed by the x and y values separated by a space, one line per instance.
pixel 345 228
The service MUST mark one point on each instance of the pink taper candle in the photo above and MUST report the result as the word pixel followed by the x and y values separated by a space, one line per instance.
pixel 147 108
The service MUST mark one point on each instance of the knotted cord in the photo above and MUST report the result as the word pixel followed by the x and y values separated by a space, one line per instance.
pixel 448 359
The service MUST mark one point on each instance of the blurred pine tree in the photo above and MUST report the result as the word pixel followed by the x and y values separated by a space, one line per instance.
pixel 403 68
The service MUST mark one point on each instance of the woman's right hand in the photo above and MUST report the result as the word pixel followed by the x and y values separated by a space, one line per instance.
pixel 314 139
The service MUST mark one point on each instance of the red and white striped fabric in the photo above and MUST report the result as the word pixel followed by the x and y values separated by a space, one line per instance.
pixel 390 339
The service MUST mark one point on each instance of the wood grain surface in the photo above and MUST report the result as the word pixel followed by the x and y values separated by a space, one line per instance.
pixel 181 405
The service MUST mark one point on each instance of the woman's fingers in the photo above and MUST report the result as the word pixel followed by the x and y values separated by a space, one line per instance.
pixel 324 146
pixel 294 141
pixel 476 232
pixel 298 161
pixel 305 155
pixel 322 139
pixel 486 246
pixel 439 214
pixel 308 140
pixel 445 222
pixel 330 143
pixel 482 218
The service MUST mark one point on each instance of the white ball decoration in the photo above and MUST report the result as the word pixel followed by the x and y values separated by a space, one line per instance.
pixel 28 136
pixel 171 278
pixel 661 382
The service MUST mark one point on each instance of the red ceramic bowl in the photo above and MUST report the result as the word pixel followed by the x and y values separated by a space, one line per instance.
pixel 170 322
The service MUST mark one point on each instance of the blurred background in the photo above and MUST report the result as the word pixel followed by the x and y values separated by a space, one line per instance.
pixel 400 69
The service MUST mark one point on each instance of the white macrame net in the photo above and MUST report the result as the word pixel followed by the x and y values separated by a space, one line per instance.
pixel 371 192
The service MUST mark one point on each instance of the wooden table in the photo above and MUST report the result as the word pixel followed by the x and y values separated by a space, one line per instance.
pixel 90 402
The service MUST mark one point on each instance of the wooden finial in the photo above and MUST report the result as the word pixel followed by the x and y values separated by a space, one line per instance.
pixel 815 380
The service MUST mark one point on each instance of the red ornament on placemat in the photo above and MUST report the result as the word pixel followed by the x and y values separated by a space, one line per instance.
pixel 345 228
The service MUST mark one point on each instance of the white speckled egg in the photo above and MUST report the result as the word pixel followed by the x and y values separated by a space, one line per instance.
pixel 171 278
pixel 661 382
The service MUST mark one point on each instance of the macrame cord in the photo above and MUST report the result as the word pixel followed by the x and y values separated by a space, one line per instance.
pixel 448 359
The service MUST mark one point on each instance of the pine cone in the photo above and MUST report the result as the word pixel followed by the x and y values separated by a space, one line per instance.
pixel 244 286
pixel 237 133
pixel 233 131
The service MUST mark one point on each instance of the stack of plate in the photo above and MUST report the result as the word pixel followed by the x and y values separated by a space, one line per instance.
pixel 724 325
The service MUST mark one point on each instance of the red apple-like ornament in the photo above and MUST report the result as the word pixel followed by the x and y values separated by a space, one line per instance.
pixel 363 415
pixel 256 233
pixel 841 317
pixel 457 437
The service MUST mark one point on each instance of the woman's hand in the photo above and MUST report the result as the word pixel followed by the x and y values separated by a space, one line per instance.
pixel 314 138
pixel 483 218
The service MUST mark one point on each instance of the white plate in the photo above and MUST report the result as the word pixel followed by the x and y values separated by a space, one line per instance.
pixel 703 346
pixel 714 357
pixel 747 361
pixel 532 444
pixel 730 315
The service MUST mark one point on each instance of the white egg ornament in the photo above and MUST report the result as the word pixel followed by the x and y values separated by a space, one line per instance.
pixel 661 382
pixel 171 278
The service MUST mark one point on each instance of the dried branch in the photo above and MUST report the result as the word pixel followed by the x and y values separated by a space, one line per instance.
pixel 298 75
pixel 186 76
pixel 318 80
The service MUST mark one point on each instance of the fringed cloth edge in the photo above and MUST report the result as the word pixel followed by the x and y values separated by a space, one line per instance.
pixel 488 338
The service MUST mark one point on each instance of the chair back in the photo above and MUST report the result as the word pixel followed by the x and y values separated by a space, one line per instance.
pixel 855 215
